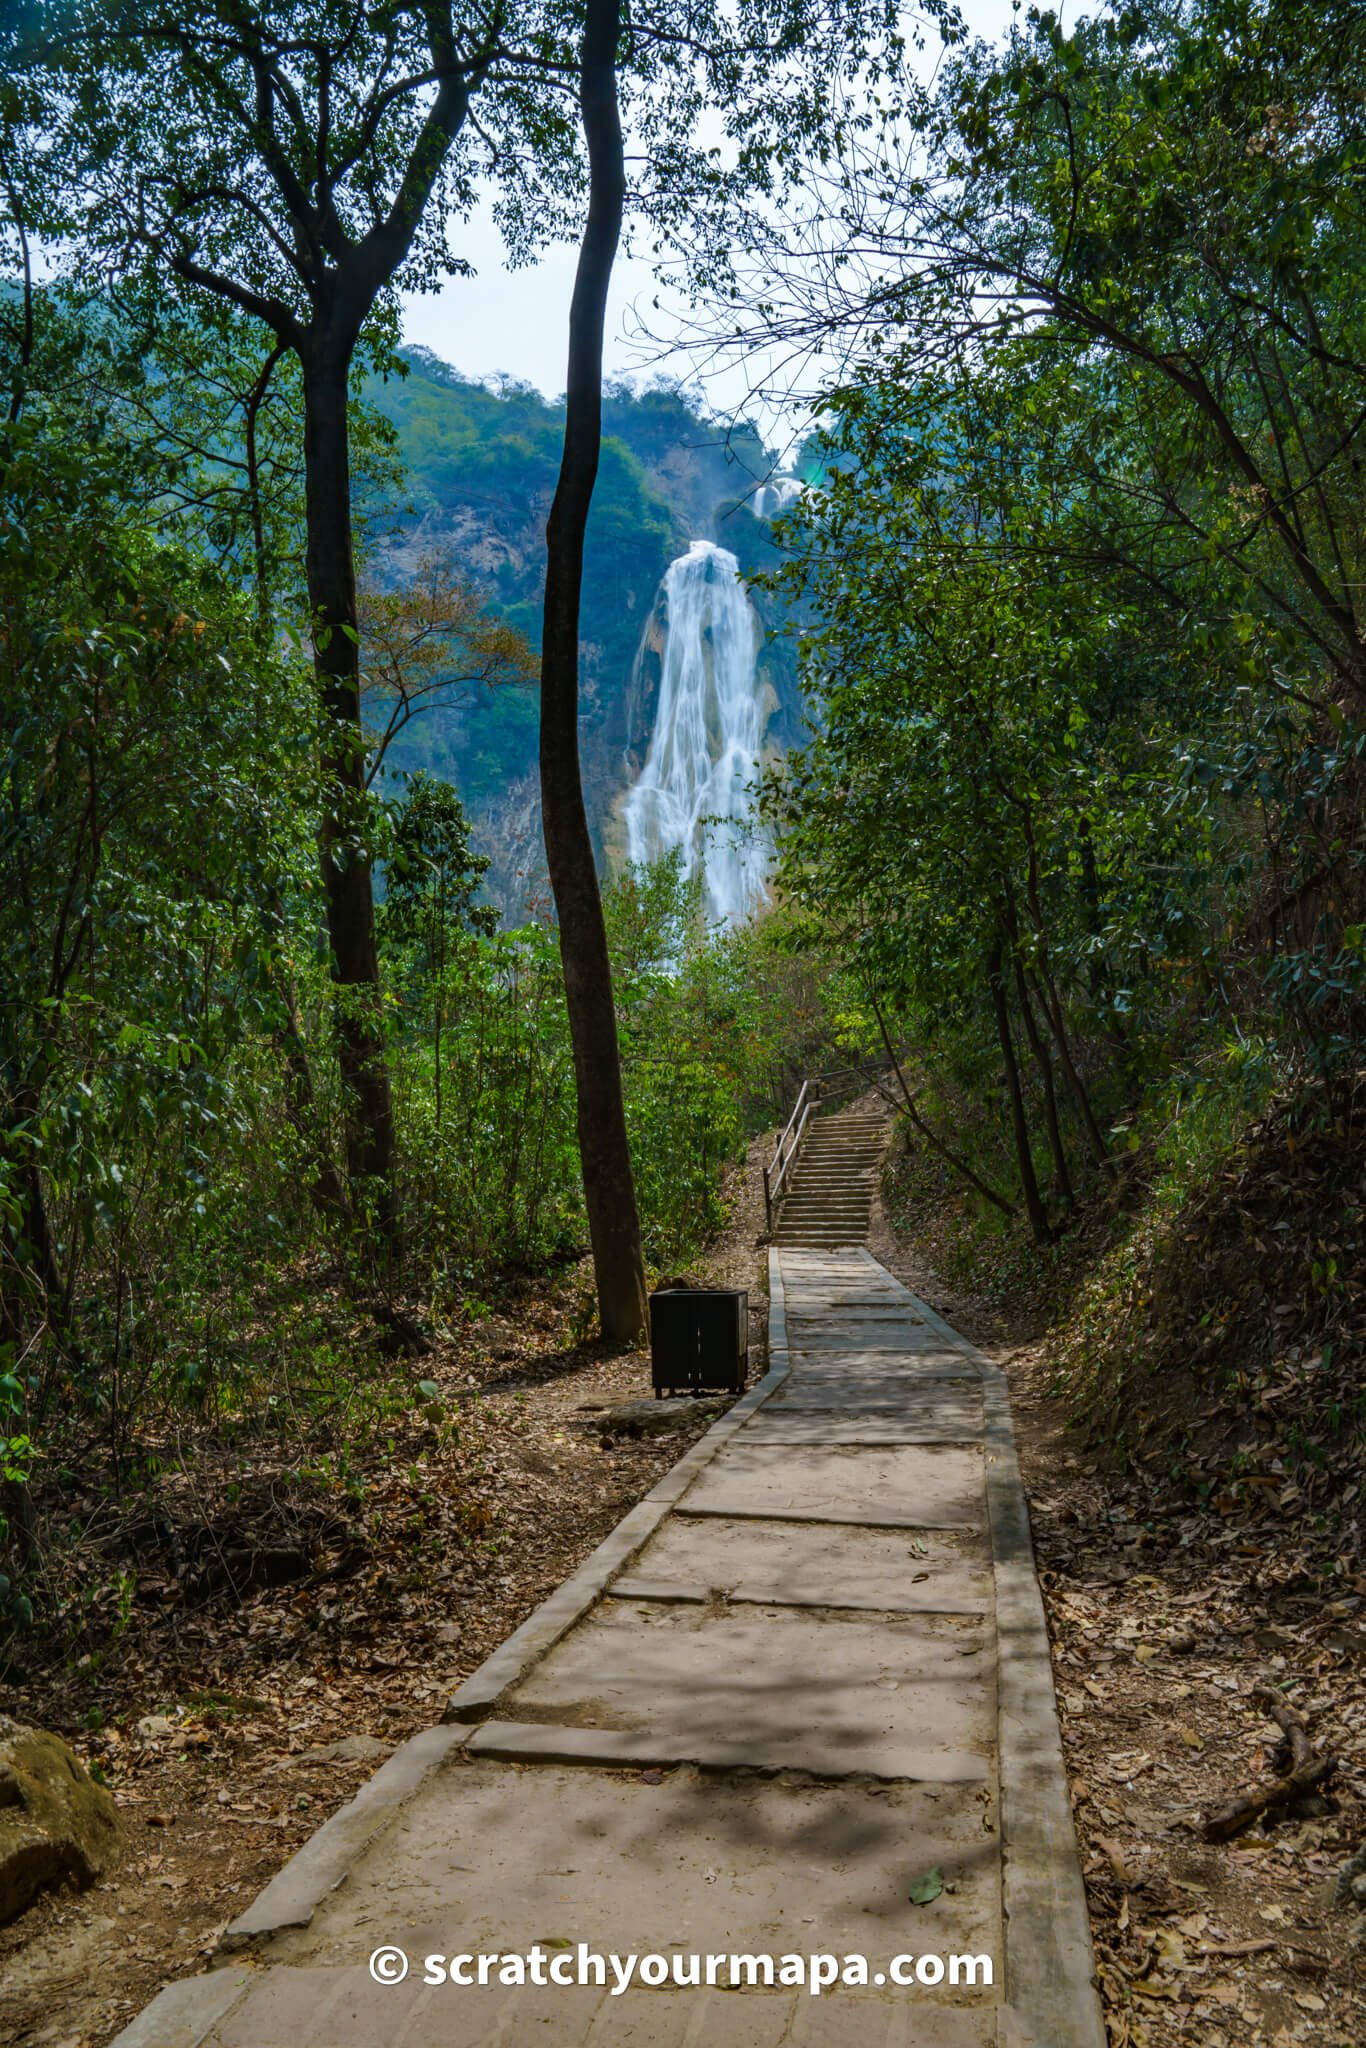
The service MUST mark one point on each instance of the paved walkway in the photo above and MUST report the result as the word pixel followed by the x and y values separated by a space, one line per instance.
pixel 806 1677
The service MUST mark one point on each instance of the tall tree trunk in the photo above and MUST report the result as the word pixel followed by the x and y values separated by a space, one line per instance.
pixel 1052 1121
pixel 1033 1200
pixel 33 1287
pixel 608 1186
pixel 1051 1003
pixel 347 886
pixel 326 1187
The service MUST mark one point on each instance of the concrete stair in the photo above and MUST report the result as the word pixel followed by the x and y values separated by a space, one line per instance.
pixel 828 1197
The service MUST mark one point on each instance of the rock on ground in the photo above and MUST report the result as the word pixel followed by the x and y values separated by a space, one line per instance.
pixel 655 1418
pixel 56 1823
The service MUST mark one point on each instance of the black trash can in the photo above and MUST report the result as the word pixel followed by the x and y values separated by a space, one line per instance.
pixel 699 1340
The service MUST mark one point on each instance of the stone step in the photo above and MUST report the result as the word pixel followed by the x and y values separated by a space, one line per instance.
pixel 820 1233
pixel 849 1140
pixel 801 1207
pixel 818 1242
pixel 849 1230
pixel 858 1224
pixel 840 1145
pixel 821 1162
pixel 825 1176
pixel 828 1199
pixel 833 1169
pixel 822 1179
pixel 823 1134
pixel 833 1183
pixel 835 1161
pixel 841 1152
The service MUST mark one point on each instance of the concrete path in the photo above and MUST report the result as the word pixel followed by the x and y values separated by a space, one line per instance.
pixel 807 1677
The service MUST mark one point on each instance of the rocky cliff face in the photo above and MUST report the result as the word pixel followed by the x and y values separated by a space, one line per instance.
pixel 481 468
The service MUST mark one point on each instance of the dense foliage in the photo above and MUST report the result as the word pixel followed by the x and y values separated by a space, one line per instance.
pixel 1086 797
pixel 156 785
pixel 169 1192
pixel 1076 834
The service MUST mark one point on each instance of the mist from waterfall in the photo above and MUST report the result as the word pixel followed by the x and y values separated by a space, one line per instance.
pixel 708 732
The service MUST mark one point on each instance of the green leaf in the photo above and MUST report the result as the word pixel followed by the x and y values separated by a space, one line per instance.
pixel 927 1888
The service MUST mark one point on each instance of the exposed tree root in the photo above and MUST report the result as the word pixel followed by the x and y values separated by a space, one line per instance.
pixel 1305 1772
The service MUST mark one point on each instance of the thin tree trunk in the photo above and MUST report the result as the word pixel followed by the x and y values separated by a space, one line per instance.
pixel 438 1017
pixel 256 398
pixel 1052 1002
pixel 1033 1200
pixel 346 874
pixel 326 1187
pixel 608 1186
pixel 1039 1049
pixel 1100 977
pixel 932 1139
pixel 32 1283
pixel 1050 1094
pixel 24 356
pixel 1052 1009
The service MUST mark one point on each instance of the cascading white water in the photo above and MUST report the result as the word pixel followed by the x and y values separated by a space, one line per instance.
pixel 771 500
pixel 708 731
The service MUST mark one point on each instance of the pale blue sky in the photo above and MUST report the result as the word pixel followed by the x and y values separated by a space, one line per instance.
pixel 515 322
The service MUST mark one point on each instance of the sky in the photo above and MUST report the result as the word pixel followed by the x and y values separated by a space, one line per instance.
pixel 514 323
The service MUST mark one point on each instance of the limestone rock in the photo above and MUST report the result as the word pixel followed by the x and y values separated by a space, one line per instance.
pixel 655 1418
pixel 351 1749
pixel 56 1823
pixel 159 1728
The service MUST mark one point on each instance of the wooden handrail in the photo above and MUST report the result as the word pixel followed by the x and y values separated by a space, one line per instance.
pixel 775 1173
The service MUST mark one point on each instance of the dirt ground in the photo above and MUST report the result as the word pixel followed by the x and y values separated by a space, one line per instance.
pixel 1164 1627
pixel 230 1730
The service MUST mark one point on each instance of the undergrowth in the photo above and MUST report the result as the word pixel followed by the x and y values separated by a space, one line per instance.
pixel 1199 1322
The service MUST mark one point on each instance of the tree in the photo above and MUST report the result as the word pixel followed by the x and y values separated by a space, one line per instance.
pixel 609 1191
pixel 989 812
pixel 423 641
pixel 301 161
pixel 431 882
pixel 151 822
pixel 608 1187
pixel 293 163
pixel 1153 222
pixel 1173 186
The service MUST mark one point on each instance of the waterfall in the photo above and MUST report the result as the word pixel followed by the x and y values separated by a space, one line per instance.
pixel 708 731
pixel 771 500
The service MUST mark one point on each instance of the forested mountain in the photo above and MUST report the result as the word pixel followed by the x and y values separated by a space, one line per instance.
pixel 479 467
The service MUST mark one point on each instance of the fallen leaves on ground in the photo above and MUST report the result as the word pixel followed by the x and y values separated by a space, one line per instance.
pixel 1168 1612
pixel 266 1625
